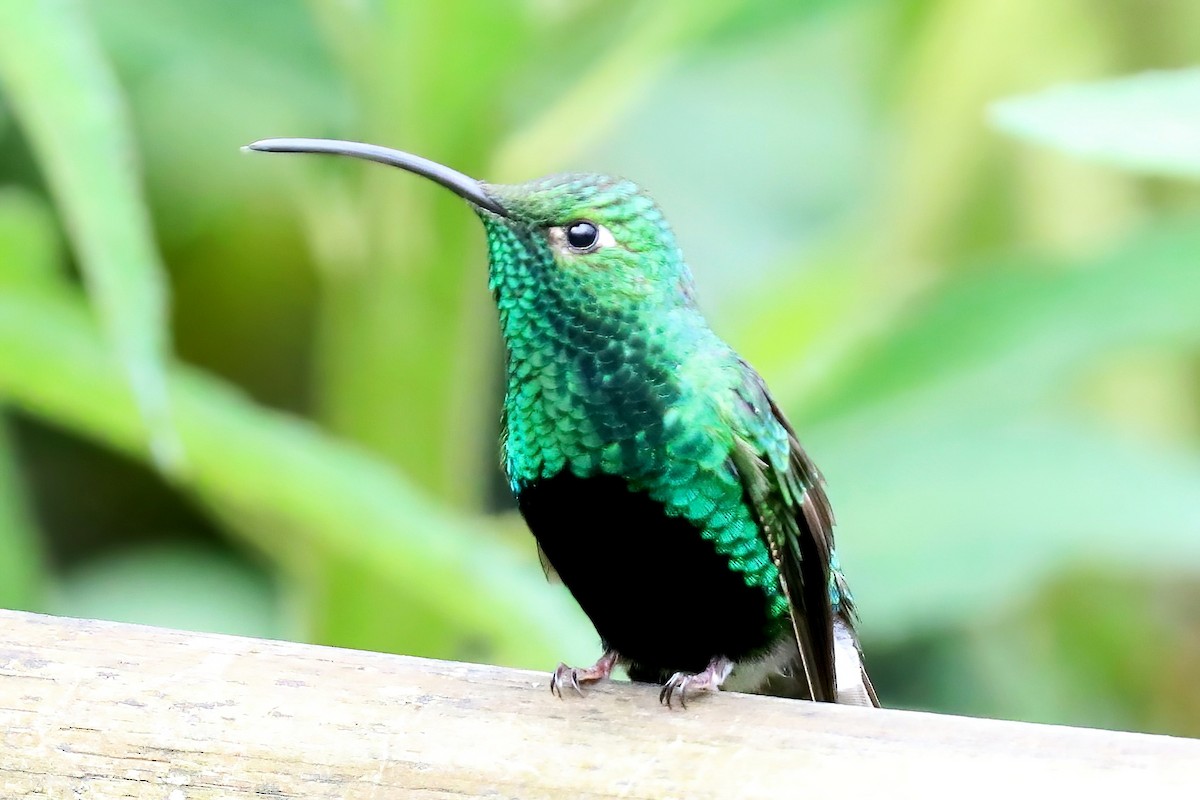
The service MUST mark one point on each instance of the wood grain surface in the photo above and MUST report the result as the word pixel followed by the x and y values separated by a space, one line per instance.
pixel 92 710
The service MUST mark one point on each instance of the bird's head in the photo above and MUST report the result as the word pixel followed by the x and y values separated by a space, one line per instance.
pixel 592 240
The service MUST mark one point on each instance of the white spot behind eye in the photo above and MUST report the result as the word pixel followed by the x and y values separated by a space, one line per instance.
pixel 606 238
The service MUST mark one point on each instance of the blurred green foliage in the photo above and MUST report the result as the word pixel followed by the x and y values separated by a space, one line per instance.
pixel 989 345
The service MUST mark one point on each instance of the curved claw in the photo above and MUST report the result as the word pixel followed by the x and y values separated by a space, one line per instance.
pixel 708 680
pixel 565 675
pixel 576 677
pixel 677 681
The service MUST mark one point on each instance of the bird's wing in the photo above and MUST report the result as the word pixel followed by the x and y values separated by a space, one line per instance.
pixel 787 496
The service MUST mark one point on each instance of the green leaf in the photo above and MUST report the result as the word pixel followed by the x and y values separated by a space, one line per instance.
pixel 29 245
pixel 22 567
pixel 1147 123
pixel 752 22
pixel 946 516
pixel 64 94
pixel 29 260
pixel 303 496
pixel 1014 330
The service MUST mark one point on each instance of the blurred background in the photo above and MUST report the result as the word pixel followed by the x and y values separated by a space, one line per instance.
pixel 260 394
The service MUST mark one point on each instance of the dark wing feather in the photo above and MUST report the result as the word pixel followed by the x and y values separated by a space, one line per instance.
pixel 794 516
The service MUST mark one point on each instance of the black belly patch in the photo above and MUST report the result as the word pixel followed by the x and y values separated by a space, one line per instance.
pixel 658 593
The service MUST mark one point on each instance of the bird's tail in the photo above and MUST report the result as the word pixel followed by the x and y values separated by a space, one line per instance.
pixel 853 686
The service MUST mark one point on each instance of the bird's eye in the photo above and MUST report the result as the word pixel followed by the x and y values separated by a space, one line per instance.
pixel 583 235
pixel 578 237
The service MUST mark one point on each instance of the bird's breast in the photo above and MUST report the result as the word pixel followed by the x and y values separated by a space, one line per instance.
pixel 657 590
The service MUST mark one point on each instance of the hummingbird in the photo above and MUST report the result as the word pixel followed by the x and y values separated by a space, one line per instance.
pixel 662 482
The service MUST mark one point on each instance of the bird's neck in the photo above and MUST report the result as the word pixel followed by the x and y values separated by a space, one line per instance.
pixel 584 394
pixel 590 392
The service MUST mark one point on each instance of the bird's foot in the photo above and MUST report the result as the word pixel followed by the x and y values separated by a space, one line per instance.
pixel 708 681
pixel 576 677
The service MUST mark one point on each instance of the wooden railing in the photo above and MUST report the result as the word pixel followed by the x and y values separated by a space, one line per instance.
pixel 92 710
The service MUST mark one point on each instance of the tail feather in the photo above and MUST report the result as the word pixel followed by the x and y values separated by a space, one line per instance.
pixel 781 673
pixel 853 685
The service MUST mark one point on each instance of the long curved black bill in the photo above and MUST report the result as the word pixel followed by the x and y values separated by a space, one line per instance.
pixel 462 185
